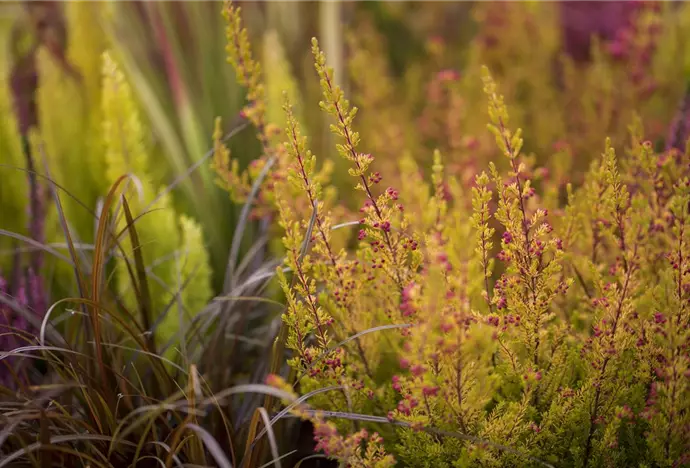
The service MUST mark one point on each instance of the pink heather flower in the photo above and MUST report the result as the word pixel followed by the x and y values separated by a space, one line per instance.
pixel 625 413
pixel 436 41
pixel 404 408
pixel 542 173
pixel 417 370
pixel 507 237
pixel 392 193
pixel 406 306
pixel 272 380
pixel 448 75
pixel 618 49
pixel 471 143
pixel 362 234
pixel 503 256
pixel 429 391
pixel 561 145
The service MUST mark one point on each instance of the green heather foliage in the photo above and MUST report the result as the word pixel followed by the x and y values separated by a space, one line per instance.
pixel 488 265
pixel 173 247
pixel 560 338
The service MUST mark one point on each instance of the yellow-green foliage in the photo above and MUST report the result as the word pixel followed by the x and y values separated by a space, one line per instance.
pixel 172 245
pixel 566 104
pixel 526 367
pixel 536 317
pixel 279 80
pixel 264 110
pixel 489 297
pixel 69 132
pixel 193 264
pixel 13 188
pixel 70 114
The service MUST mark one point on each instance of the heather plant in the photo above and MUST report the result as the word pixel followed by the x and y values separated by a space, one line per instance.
pixel 535 351
pixel 572 97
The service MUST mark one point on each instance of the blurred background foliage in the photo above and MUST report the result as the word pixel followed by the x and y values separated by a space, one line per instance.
pixel 415 64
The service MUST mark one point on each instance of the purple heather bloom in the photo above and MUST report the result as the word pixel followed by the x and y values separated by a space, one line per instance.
pixel 23 84
pixel 9 321
pixel 36 293
pixel 679 132
pixel 27 291
pixel 4 314
pixel 582 20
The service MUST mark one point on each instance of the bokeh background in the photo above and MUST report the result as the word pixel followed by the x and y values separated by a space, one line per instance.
pixel 402 58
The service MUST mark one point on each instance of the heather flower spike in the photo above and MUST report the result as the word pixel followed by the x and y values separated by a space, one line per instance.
pixel 381 214
pixel 248 71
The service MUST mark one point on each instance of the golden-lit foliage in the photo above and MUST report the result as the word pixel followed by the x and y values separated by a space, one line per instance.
pixel 500 279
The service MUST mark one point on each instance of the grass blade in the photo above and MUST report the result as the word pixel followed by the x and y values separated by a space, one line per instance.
pixel 144 295
pixel 211 445
pixel 230 278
